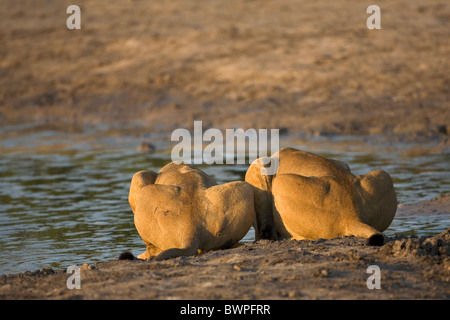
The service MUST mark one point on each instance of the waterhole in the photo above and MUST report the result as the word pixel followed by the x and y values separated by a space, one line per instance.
pixel 64 193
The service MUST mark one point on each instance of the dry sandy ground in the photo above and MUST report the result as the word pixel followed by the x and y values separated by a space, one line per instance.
pixel 307 66
pixel 410 268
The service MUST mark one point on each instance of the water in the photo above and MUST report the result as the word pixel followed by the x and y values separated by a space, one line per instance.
pixel 64 193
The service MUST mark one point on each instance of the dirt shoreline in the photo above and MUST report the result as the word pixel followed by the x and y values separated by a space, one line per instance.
pixel 309 68
pixel 410 268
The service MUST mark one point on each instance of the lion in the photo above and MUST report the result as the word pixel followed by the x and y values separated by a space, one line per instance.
pixel 311 197
pixel 181 210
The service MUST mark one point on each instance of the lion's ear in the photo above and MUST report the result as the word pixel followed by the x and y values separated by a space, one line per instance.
pixel 140 180
pixel 377 184
pixel 255 174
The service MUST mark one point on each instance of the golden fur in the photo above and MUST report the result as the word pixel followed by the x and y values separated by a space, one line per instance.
pixel 311 197
pixel 181 210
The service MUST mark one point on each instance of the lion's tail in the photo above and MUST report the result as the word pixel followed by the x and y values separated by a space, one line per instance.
pixel 373 236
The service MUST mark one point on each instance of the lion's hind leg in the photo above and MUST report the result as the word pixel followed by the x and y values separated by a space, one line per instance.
pixel 189 249
pixel 150 251
pixel 176 252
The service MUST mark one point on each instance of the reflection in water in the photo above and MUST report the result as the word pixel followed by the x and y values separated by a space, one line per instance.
pixel 69 204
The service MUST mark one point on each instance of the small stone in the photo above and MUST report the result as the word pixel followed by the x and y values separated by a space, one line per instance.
pixel 86 266
pixel 146 147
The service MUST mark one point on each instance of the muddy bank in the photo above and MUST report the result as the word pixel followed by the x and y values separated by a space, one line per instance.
pixel 410 268
pixel 438 205
pixel 312 68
